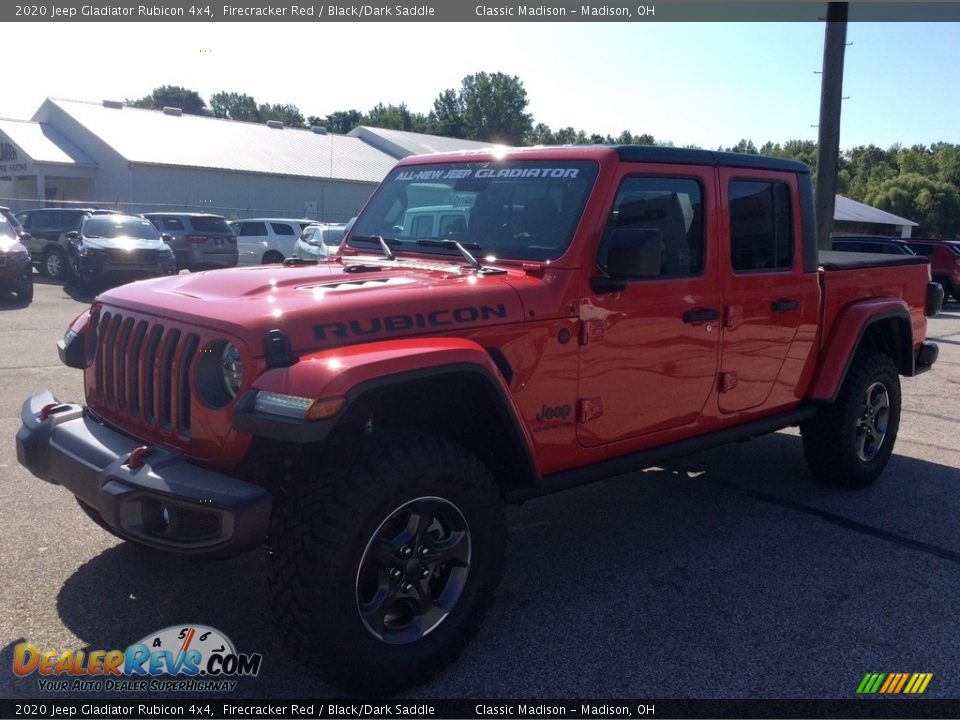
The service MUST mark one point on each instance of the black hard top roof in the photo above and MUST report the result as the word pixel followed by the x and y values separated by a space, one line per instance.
pixel 683 156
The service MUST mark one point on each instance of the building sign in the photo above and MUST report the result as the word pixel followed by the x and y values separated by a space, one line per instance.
pixel 10 160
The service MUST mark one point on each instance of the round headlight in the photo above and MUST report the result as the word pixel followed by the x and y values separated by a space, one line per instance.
pixel 232 367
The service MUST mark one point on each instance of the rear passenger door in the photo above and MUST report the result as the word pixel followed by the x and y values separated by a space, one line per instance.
pixel 770 305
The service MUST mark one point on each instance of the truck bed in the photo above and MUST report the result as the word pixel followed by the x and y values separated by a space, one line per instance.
pixel 838 260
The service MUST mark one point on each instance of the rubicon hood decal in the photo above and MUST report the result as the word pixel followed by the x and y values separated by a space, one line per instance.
pixel 401 323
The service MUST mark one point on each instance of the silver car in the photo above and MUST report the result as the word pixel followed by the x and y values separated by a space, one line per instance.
pixel 319 241
pixel 200 241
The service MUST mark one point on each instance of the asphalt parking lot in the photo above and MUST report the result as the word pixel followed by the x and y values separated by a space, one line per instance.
pixel 728 574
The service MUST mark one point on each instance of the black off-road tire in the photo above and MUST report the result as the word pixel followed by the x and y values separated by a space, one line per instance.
pixel 326 532
pixel 849 442
pixel 25 293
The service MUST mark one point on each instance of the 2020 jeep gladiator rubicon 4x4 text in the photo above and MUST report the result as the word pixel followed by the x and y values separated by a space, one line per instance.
pixel 580 313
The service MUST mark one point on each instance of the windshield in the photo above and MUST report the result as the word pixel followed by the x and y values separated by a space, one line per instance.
pixel 6 230
pixel 524 210
pixel 114 227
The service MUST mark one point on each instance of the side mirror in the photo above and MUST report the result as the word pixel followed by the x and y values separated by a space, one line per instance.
pixel 24 235
pixel 73 235
pixel 166 237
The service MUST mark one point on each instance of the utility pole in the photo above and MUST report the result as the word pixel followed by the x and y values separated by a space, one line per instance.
pixel 831 95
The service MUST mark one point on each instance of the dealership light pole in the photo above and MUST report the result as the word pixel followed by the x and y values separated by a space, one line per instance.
pixel 831 95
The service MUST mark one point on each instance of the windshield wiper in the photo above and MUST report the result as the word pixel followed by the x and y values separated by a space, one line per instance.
pixel 461 247
pixel 383 242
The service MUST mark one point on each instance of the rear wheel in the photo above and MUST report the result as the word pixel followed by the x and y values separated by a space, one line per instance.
pixel 849 442
pixel 272 257
pixel 384 566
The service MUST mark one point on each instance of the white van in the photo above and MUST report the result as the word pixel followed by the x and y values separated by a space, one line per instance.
pixel 267 240
pixel 435 221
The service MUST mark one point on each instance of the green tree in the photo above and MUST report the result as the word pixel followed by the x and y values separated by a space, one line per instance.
pixel 447 116
pixel 395 117
pixel 288 114
pixel 235 106
pixel 540 134
pixel 947 157
pixel 933 203
pixel 745 146
pixel 494 108
pixel 917 159
pixel 342 121
pixel 173 96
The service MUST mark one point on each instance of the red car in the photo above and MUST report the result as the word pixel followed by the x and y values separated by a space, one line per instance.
pixel 944 256
pixel 16 272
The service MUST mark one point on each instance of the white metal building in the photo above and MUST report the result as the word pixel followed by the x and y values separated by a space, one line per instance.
pixel 850 216
pixel 110 155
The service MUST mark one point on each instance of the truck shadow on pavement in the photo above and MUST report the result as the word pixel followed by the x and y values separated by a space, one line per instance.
pixel 714 576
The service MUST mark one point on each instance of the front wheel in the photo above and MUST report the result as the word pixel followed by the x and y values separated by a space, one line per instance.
pixel 849 442
pixel 272 257
pixel 25 292
pixel 385 563
pixel 54 264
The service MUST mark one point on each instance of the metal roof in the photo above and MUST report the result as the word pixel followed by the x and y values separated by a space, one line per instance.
pixel 153 137
pixel 852 211
pixel 42 143
pixel 400 143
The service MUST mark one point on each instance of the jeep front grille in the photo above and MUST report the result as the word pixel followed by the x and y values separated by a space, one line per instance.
pixel 142 371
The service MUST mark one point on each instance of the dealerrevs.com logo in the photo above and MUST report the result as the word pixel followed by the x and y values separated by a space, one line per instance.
pixel 187 658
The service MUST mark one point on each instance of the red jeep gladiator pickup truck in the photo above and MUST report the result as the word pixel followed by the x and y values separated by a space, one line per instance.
pixel 497 325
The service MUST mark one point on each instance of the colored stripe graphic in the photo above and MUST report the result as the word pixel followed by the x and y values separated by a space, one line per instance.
pixel 894 683
pixel 918 683
pixel 870 683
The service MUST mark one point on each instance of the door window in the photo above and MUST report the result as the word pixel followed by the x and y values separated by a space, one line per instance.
pixel 761 227
pixel 674 206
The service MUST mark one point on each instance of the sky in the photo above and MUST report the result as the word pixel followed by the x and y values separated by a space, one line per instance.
pixel 705 84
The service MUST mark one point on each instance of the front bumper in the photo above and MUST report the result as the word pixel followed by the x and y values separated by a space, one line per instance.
pixel 95 265
pixel 166 503
pixel 15 272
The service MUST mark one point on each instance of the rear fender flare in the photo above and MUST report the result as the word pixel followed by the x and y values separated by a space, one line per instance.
pixel 847 335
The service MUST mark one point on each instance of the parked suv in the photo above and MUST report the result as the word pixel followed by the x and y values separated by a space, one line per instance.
pixel 14 223
pixel 47 243
pixel 16 273
pixel 118 245
pixel 267 240
pixel 871 244
pixel 944 256
pixel 199 240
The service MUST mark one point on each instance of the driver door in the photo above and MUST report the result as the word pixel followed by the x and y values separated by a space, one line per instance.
pixel 649 352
